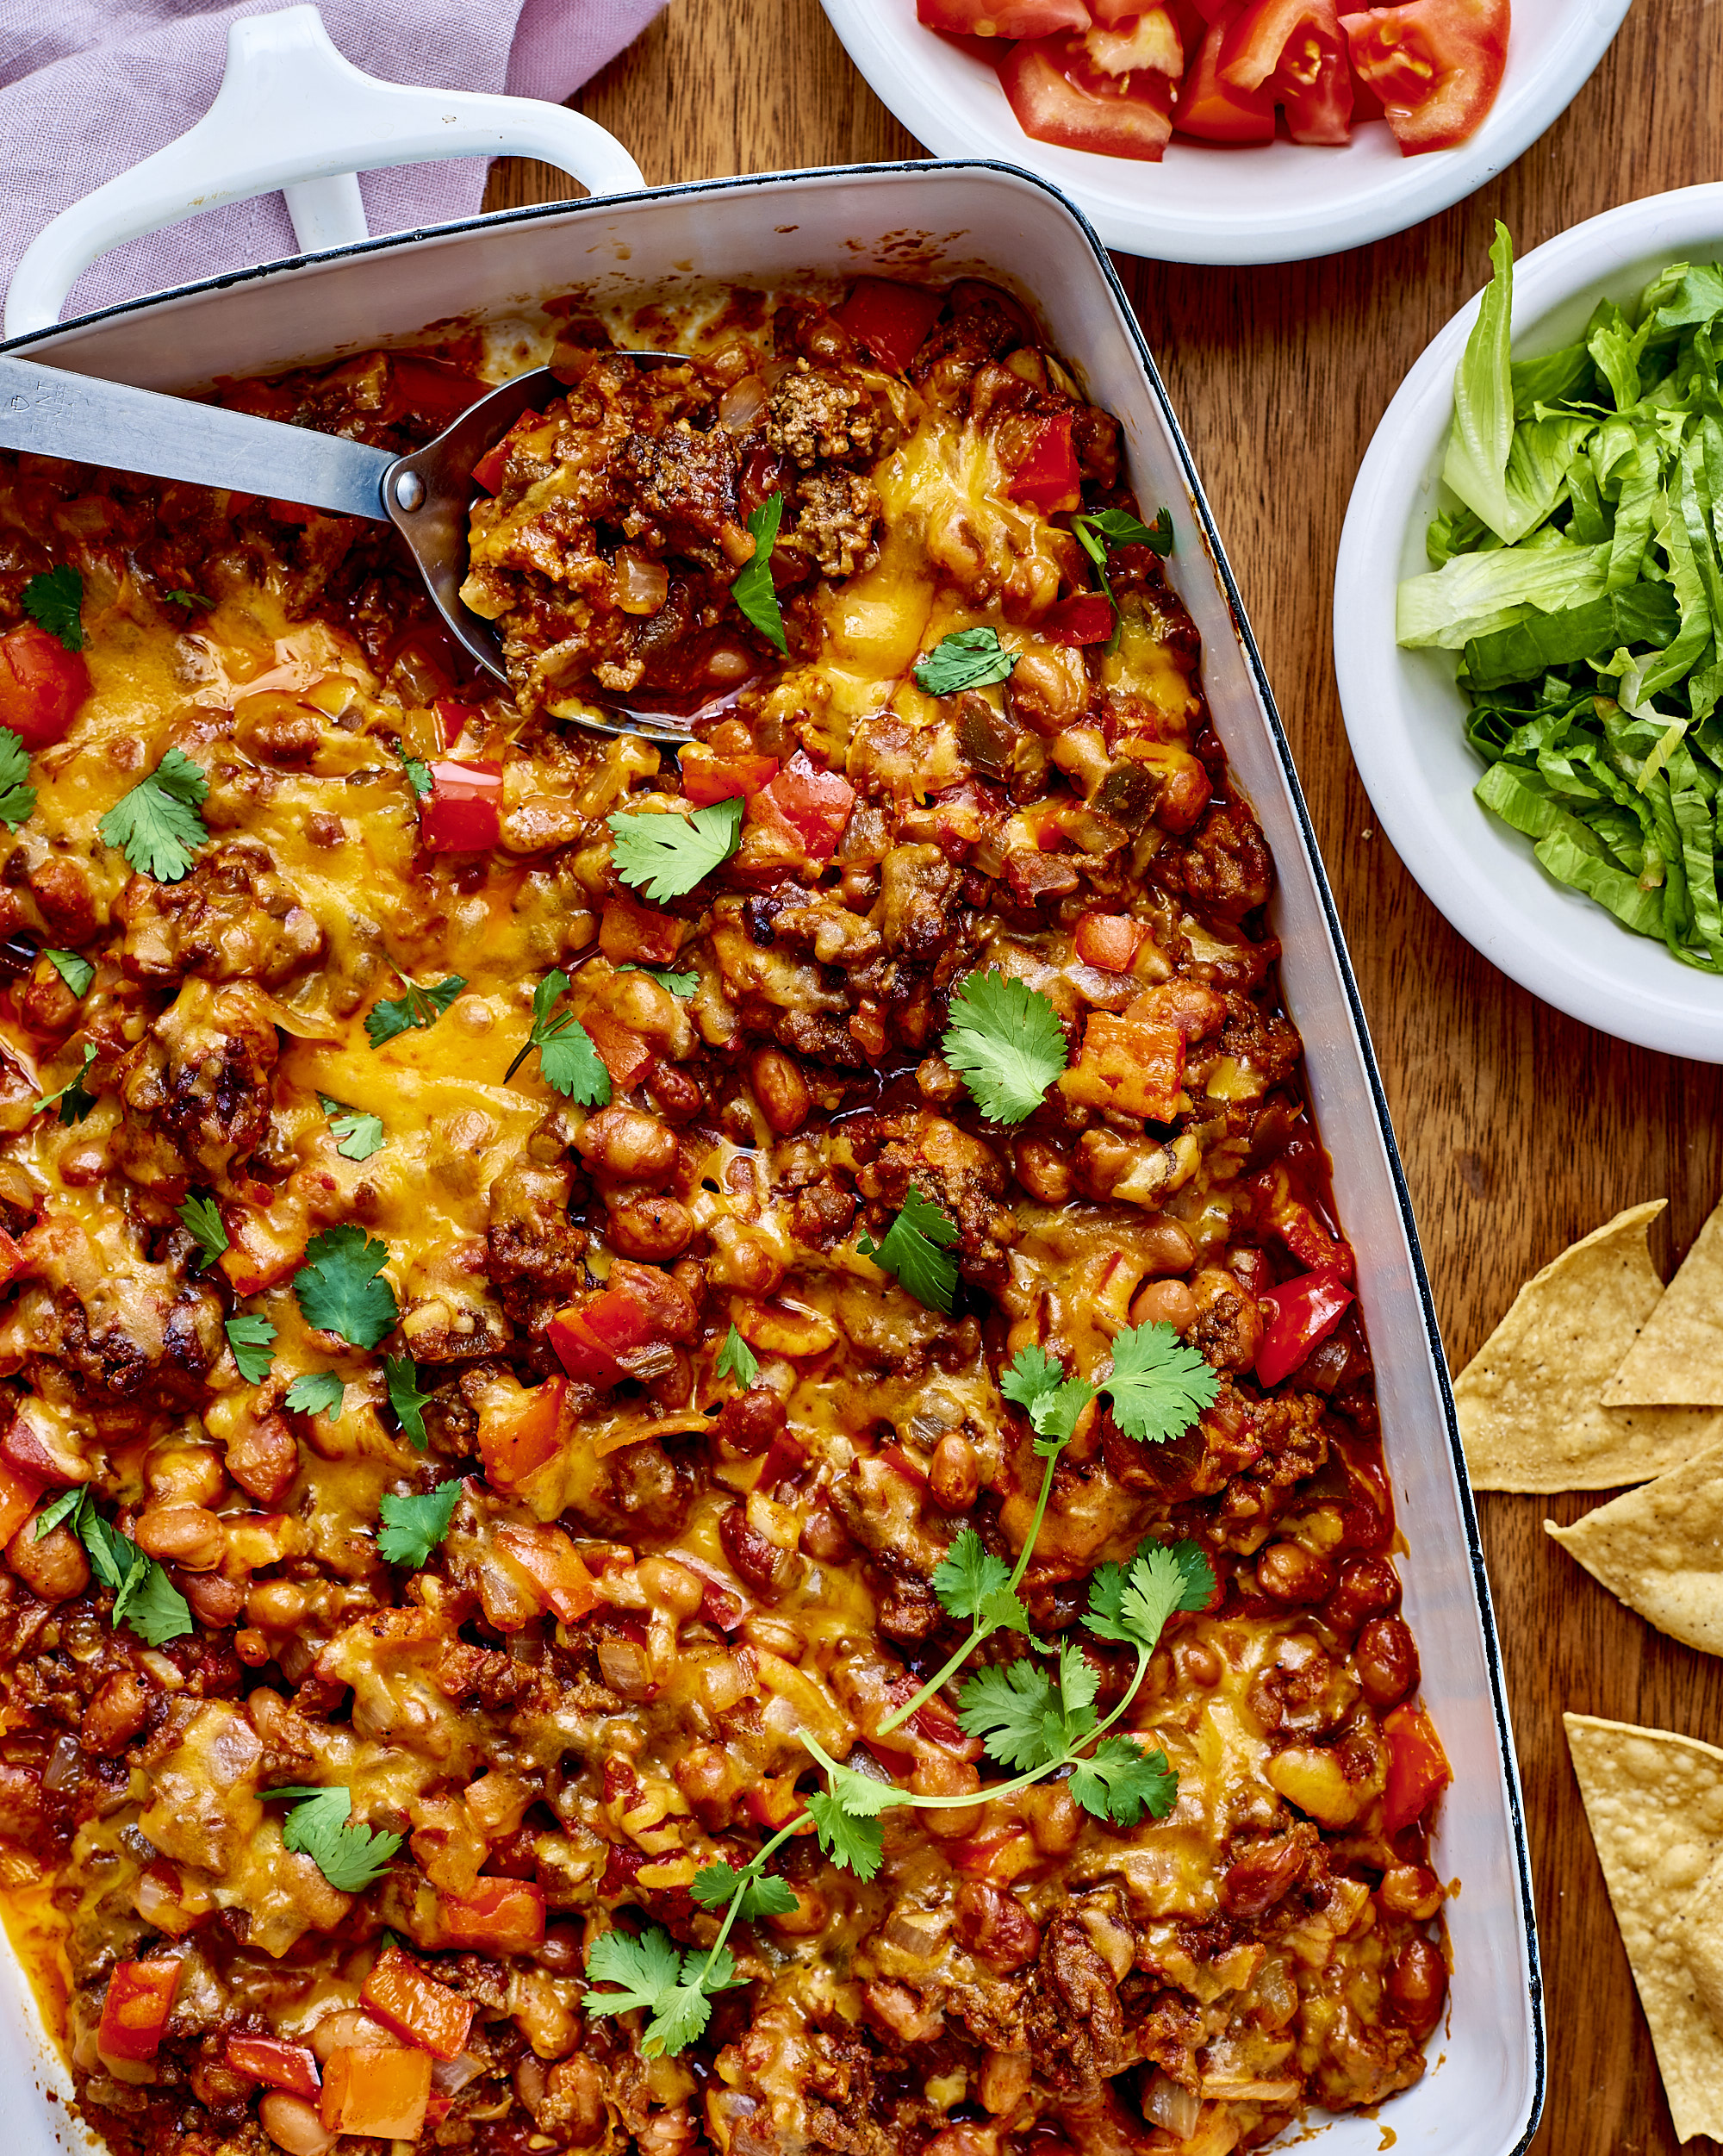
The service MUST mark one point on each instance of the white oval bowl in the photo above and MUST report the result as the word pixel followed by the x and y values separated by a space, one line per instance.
pixel 1271 202
pixel 1404 715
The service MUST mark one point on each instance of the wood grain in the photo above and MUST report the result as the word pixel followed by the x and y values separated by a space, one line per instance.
pixel 1520 1129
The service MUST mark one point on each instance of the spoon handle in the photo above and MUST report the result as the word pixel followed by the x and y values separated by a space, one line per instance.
pixel 91 421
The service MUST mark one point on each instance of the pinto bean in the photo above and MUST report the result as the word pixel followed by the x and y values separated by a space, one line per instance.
pixel 995 1928
pixel 52 1569
pixel 670 1587
pixel 627 1143
pixel 1367 1587
pixel 678 1095
pixel 1164 1303
pixel 780 1089
pixel 1410 1890
pixel 760 1563
pixel 183 1535
pixel 264 1459
pixel 1263 1875
pixel 956 1474
pixel 748 1424
pixel 1417 1983
pixel 1387 1660
pixel 215 1601
pixel 1041 1171
pixel 1288 1572
pixel 576 2091
pixel 115 1715
pixel 294 2126
pixel 653 1227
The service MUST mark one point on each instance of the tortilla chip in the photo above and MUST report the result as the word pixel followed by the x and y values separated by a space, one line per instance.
pixel 1655 1802
pixel 1529 1413
pixel 1677 1360
pixel 1659 1549
pixel 1700 1931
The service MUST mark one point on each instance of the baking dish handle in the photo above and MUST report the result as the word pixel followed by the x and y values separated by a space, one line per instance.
pixel 293 114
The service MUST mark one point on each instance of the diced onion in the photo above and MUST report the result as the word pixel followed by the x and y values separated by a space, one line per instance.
pixel 642 584
pixel 627 1667
pixel 65 1769
pixel 1167 2104
pixel 738 408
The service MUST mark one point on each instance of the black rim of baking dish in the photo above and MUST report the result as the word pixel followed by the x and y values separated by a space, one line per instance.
pixel 921 168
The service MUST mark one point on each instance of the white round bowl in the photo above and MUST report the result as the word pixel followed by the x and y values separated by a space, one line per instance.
pixel 1404 716
pixel 1271 202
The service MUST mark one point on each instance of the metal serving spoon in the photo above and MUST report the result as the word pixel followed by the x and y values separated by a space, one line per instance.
pixel 425 495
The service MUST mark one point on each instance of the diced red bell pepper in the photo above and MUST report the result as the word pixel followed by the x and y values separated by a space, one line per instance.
pixel 1132 1062
pixel 553 1564
pixel 623 1054
pixel 41 685
pixel 277 2064
pixel 1085 618
pixel 638 935
pixel 892 319
pixel 463 811
pixel 1110 941
pixel 772 1802
pixel 806 805
pixel 383 2089
pixel 1302 1313
pixel 1307 1238
pixel 286 512
pixel 433 388
pixel 263 1249
pixel 415 2006
pixel 488 472
pixel 134 2013
pixel 502 1917
pixel 18 1498
pixel 994 1856
pixel 1418 1769
pixel 595 1339
pixel 12 1259
pixel 707 778
pixel 518 1427
pixel 1212 108
pixel 1047 478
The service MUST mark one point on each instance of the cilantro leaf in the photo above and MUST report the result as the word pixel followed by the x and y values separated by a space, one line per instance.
pixel 17 799
pixel 967 659
pixel 188 600
pixel 76 1100
pixel 352 1857
pixel 251 1337
pixel 752 588
pixel 76 973
pixel 761 1893
pixel 1159 1384
pixel 1122 529
pixel 412 1526
pixel 157 825
pixel 652 1973
pixel 856 1844
pixel 1006 1039
pixel 914 1247
pixel 357 1136
pixel 1028 1721
pixel 1120 1781
pixel 338 1288
pixel 679 984
pixel 418 774
pixel 668 854
pixel 1037 1382
pixel 67 1503
pixel 736 1359
pixel 144 1597
pixel 419 1007
pixel 400 1375
pixel 56 600
pixel 971 1582
pixel 317 1392
pixel 1132 1602
pixel 568 1061
pixel 202 1219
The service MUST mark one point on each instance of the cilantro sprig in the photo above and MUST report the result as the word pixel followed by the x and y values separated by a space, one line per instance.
pixel 352 1857
pixel 317 1392
pixel 752 588
pixel 55 600
pixel 412 1526
pixel 74 1098
pixel 966 658
pixel 1005 1038
pixel 156 825
pixel 735 1359
pixel 1157 1387
pixel 76 973
pixel 666 854
pixel 1095 530
pixel 252 1340
pixel 17 798
pixel 421 1006
pixel 358 1135
pixel 400 1375
pixel 653 1972
pixel 916 1249
pixel 568 1061
pixel 200 1217
pixel 340 1289
pixel 144 1597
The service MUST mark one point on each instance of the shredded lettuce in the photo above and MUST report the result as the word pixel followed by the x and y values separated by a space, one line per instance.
pixel 1577 570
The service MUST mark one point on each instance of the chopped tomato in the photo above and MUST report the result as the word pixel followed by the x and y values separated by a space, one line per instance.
pixel 1133 1064
pixel 707 778
pixel 1214 109
pixel 1147 43
pixel 502 1917
pixel 1302 1313
pixel 277 2064
pixel 1127 118
pixel 553 1564
pixel 134 2013
pixel 432 387
pixel 1297 49
pixel 452 717
pixel 1418 1769
pixel 1436 65
pixel 292 511
pixel 1111 940
pixel 593 1339
pixel 1003 18
pixel 463 811
pixel 41 685
pixel 892 319
pixel 487 472
pixel 414 2005
pixel 517 1426
pixel 383 2089
pixel 18 1496
pixel 1049 477
pixel 623 1054
pixel 808 806
pixel 638 935
pixel 1085 618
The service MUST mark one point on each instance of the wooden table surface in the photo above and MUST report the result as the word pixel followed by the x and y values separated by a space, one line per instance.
pixel 1520 1129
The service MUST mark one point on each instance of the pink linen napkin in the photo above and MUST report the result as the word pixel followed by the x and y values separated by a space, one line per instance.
pixel 87 87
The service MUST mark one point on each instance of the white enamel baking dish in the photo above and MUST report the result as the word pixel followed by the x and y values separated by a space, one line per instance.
pixel 1483 2092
